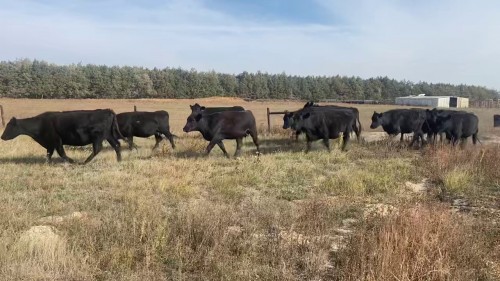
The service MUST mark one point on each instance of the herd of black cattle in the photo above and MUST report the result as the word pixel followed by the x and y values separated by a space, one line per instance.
pixel 52 130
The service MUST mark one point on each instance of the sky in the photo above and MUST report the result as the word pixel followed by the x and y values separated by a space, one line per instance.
pixel 438 41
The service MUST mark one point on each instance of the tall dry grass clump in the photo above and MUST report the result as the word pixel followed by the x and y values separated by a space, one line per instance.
pixel 463 170
pixel 417 243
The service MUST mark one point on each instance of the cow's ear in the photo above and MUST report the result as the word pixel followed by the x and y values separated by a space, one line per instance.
pixel 380 114
pixel 202 108
pixel 190 106
pixel 307 115
pixel 197 117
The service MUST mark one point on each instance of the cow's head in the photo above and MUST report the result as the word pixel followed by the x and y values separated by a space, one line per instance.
pixel 196 108
pixel 287 120
pixel 12 129
pixel 430 115
pixel 192 122
pixel 434 114
pixel 376 120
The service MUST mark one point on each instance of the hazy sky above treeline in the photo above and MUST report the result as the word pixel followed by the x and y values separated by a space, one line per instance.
pixel 435 41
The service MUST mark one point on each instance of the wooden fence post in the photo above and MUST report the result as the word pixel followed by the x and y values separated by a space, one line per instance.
pixel 135 108
pixel 268 120
pixel 1 116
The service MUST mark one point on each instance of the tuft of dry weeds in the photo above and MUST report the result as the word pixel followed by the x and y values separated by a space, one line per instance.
pixel 423 242
pixel 464 171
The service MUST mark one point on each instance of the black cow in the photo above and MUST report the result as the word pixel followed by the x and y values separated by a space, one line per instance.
pixel 457 125
pixel 357 128
pixel 432 116
pixel 401 121
pixel 196 108
pixel 288 117
pixel 143 125
pixel 325 125
pixel 52 130
pixel 219 126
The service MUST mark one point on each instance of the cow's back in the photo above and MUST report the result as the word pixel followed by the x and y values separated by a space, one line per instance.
pixel 406 120
pixel 211 110
pixel 230 118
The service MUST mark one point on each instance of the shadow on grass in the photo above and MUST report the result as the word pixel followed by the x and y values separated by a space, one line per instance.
pixel 30 160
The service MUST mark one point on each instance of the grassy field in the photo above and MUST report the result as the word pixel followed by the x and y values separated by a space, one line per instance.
pixel 380 211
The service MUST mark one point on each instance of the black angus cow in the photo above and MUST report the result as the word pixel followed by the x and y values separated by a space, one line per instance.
pixel 432 125
pixel 143 125
pixel 357 128
pixel 324 125
pixel 52 130
pixel 288 118
pixel 219 126
pixel 456 125
pixel 196 108
pixel 401 121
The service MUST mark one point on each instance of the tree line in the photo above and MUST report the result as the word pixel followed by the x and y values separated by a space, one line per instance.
pixel 38 79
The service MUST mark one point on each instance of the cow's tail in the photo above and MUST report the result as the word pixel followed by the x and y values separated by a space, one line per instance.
pixel 115 130
pixel 360 129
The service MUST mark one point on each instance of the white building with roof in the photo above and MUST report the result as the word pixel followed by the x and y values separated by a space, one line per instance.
pixel 434 101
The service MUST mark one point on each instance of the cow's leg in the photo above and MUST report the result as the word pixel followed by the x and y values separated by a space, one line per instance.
pixel 170 138
pixel 415 137
pixel 239 143
pixel 356 131
pixel 255 139
pixel 62 153
pixel 158 139
pixel 50 151
pixel 429 138
pixel 308 143
pixel 221 146
pixel 211 145
pixel 402 137
pixel 96 148
pixel 474 139
pixel 326 142
pixel 419 136
pixel 131 145
pixel 116 146
pixel 345 141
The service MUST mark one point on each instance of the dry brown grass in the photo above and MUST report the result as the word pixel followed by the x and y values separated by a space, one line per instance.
pixel 462 171
pixel 176 215
pixel 418 243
